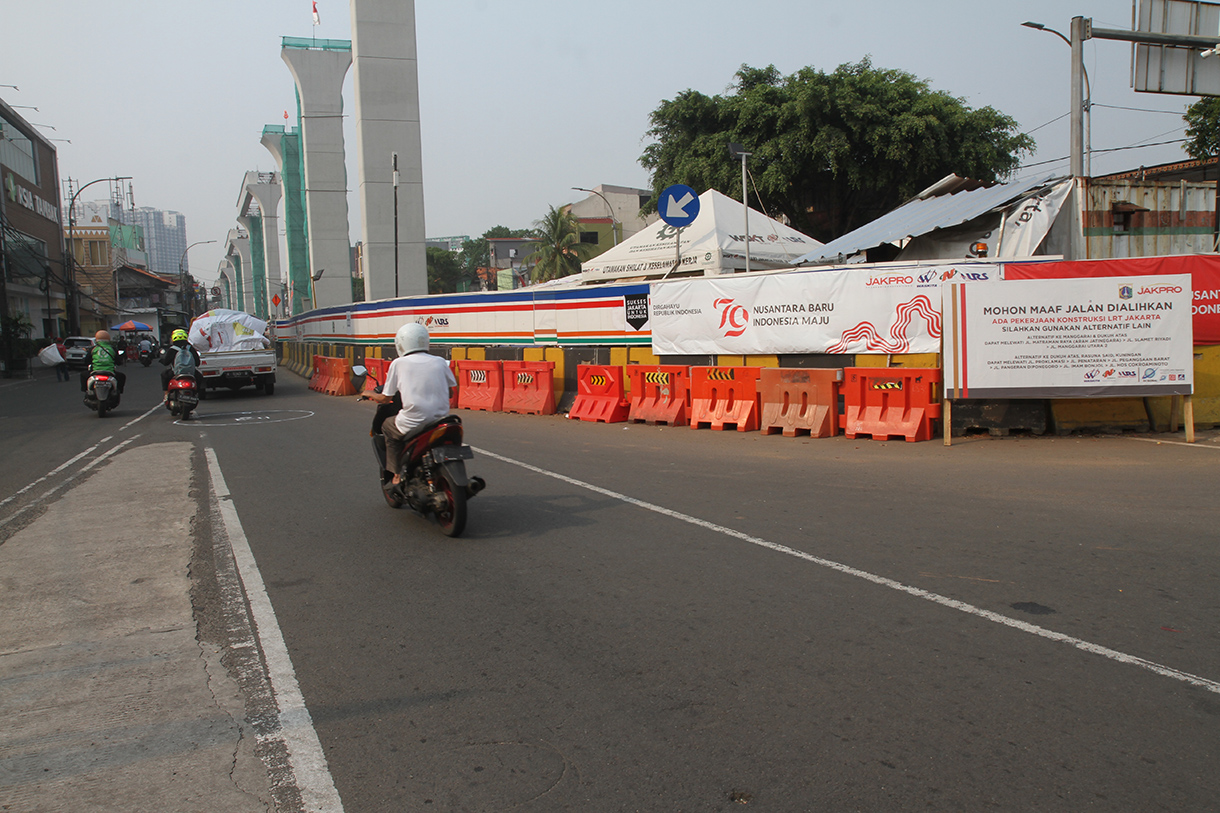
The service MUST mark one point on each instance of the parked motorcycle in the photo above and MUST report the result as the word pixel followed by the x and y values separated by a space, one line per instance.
pixel 102 392
pixel 182 396
pixel 432 469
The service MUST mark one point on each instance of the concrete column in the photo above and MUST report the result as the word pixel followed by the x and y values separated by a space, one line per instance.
pixel 225 282
pixel 264 188
pixel 286 147
pixel 318 73
pixel 239 255
pixel 386 79
pixel 254 262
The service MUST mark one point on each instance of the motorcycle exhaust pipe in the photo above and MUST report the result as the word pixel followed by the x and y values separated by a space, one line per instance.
pixel 477 484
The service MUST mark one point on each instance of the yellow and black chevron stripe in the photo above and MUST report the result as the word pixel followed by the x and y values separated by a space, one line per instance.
pixel 720 374
pixel 887 383
pixel 656 378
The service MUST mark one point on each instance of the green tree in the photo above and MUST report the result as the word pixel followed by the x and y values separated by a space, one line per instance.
pixel 558 251
pixel 1203 128
pixel 445 271
pixel 831 151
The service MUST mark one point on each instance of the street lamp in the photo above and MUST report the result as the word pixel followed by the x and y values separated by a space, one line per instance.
pixel 737 151
pixel 1082 109
pixel 74 301
pixel 395 156
pixel 186 300
pixel 613 221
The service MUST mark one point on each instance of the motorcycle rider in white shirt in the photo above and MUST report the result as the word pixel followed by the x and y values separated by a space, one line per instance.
pixel 423 381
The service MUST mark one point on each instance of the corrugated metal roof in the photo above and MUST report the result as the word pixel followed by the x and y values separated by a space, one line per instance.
pixel 921 216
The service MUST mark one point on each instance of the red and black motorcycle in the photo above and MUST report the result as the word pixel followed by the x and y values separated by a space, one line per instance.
pixel 432 471
pixel 182 396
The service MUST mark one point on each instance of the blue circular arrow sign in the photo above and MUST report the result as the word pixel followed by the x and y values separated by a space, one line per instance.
pixel 678 206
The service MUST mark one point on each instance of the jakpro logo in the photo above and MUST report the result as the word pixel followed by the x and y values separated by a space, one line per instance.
pixel 1125 292
pixel 896 279
pixel 734 319
pixel 1162 289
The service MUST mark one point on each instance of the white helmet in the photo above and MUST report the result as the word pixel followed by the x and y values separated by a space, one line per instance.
pixel 411 338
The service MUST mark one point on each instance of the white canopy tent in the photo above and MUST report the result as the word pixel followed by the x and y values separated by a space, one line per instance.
pixel 713 244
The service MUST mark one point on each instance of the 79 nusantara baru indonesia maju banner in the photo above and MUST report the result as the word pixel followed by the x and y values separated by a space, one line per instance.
pixel 848 311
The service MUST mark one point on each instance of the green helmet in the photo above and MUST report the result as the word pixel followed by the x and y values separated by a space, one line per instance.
pixel 178 335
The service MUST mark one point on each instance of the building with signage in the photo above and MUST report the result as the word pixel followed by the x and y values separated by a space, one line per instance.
pixel 31 240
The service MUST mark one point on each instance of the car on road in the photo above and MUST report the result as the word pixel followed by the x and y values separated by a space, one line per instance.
pixel 76 351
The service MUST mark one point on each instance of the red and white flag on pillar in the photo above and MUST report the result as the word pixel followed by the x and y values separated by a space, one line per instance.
pixel 316 19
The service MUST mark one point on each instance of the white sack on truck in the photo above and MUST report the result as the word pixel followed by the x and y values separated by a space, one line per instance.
pixel 221 329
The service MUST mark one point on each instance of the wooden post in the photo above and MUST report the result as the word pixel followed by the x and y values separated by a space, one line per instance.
pixel 1188 408
pixel 947 421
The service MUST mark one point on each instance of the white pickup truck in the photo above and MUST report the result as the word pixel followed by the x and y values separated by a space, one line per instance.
pixel 234 369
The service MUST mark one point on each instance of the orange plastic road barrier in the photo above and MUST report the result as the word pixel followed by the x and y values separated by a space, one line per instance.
pixel 480 385
pixel 885 402
pixel 660 394
pixel 377 369
pixel 799 401
pixel 724 396
pixel 599 394
pixel 529 387
pixel 318 379
pixel 340 381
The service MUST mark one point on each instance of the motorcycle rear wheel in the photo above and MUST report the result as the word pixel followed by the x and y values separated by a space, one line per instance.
pixel 453 518
pixel 101 410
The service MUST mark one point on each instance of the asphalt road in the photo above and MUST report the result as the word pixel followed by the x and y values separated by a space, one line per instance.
pixel 661 619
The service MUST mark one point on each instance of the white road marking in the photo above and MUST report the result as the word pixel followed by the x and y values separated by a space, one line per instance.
pixel 305 754
pixel 142 417
pixel 1176 443
pixel 53 472
pixel 51 491
pixel 1024 626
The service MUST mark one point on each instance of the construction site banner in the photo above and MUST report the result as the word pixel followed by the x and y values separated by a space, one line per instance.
pixel 844 311
pixel 1204 271
pixel 1069 338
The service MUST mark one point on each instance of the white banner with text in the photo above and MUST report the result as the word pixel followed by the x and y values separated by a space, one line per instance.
pixel 846 311
pixel 1069 338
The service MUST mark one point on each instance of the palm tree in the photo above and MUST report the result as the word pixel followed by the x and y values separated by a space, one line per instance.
pixel 558 251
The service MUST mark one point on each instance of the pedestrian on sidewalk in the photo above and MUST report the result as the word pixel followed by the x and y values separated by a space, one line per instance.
pixel 61 369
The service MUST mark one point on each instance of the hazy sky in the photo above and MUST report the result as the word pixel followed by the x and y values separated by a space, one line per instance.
pixel 521 101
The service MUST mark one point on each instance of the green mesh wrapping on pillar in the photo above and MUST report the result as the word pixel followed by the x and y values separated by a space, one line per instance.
pixel 296 224
pixel 228 294
pixel 258 267
pixel 240 303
